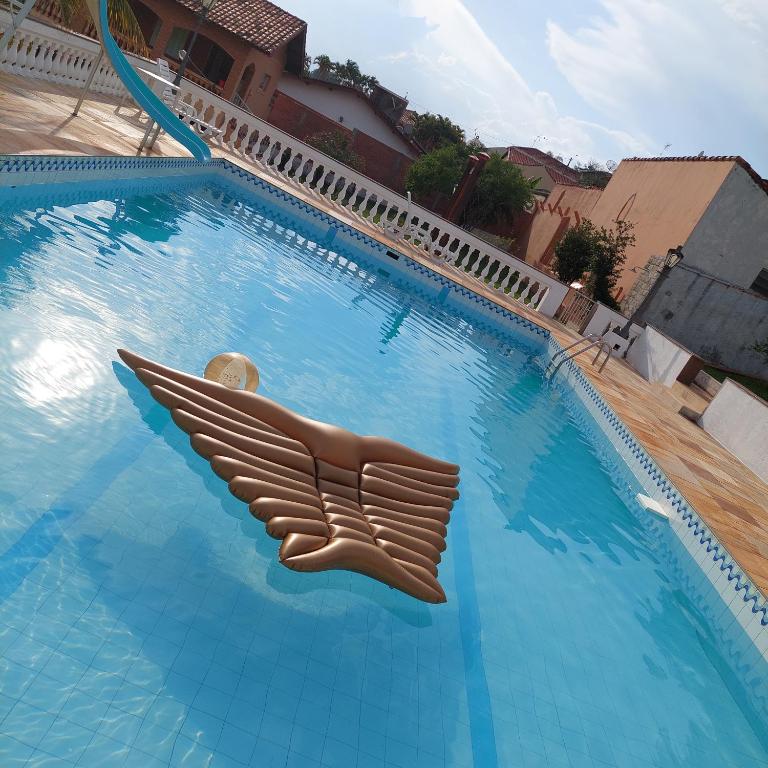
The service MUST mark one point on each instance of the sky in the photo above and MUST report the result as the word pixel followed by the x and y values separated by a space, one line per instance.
pixel 585 79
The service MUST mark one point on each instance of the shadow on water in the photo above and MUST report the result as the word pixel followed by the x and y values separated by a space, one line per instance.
pixel 154 218
pixel 283 580
pixel 548 445
pixel 733 660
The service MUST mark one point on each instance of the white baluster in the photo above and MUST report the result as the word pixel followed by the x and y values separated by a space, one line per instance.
pixel 46 65
pixel 22 58
pixel 76 69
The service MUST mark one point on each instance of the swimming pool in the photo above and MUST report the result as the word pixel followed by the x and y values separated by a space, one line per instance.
pixel 144 619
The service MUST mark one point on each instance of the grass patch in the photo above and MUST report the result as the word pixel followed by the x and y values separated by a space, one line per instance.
pixel 758 386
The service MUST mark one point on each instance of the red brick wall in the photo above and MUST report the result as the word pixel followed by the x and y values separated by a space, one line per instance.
pixel 172 14
pixel 382 163
pixel 299 120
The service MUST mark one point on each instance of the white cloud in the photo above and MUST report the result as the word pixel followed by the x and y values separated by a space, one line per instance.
pixel 470 71
pixel 687 60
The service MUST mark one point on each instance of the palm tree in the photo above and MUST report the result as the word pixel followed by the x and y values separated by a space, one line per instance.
pixel 122 22
pixel 324 66
pixel 351 72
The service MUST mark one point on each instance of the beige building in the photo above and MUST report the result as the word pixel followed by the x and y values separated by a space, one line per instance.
pixel 716 208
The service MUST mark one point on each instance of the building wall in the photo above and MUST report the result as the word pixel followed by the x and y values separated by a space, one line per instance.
pixel 564 208
pixel 714 319
pixel 731 239
pixel 344 107
pixel 646 279
pixel 664 199
pixel 256 99
pixel 382 163
pixel 173 15
pixel 537 172
pixel 299 120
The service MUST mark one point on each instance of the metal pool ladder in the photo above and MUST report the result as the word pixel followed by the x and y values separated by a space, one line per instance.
pixel 592 341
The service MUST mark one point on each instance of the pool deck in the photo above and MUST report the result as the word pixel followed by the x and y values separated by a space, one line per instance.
pixel 733 501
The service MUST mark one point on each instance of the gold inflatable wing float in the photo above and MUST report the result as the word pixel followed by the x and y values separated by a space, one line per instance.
pixel 337 500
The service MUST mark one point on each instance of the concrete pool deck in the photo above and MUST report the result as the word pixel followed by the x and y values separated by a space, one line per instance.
pixel 732 501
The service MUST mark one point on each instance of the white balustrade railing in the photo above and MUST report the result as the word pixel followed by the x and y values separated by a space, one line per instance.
pixel 52 54
pixel 47 53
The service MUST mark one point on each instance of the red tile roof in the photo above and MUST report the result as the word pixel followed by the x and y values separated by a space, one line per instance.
pixel 558 171
pixel 738 159
pixel 571 179
pixel 259 22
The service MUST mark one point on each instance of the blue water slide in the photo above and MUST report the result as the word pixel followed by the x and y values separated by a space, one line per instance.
pixel 141 92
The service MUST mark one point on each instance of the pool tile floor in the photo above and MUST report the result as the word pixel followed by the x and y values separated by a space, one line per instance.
pixel 728 496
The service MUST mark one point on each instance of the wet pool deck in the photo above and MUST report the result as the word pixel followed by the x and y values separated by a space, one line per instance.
pixel 36 119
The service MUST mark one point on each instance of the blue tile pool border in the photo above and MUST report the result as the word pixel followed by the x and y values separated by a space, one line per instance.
pixel 739 594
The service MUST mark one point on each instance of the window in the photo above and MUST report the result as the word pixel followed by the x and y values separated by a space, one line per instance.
pixel 761 283
pixel 176 42
pixel 265 82
pixel 149 21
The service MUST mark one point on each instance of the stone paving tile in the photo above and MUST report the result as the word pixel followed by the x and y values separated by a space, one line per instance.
pixel 36 119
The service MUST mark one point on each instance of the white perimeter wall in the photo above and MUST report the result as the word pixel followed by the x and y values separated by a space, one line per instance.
pixel 739 420
pixel 338 102
pixel 657 358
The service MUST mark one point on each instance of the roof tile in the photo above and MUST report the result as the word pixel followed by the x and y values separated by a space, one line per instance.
pixel 259 22
pixel 559 171
pixel 738 159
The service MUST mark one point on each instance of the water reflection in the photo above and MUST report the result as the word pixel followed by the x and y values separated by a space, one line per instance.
pixel 691 724
pixel 534 465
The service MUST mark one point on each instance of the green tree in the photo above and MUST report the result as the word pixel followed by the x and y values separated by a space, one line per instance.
pixel 122 21
pixel 599 252
pixel 573 254
pixel 324 66
pixel 593 174
pixel 608 260
pixel 434 131
pixel 347 73
pixel 437 172
pixel 500 192
pixel 337 145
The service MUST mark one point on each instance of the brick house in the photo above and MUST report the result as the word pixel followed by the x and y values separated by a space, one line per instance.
pixel 241 49
pixel 240 52
pixel 307 106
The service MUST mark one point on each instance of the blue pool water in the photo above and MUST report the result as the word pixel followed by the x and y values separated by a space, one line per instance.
pixel 144 619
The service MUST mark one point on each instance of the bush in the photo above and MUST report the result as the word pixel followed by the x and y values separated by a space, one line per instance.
pixel 599 252
pixel 437 172
pixel 501 191
pixel 607 261
pixel 574 252
pixel 337 145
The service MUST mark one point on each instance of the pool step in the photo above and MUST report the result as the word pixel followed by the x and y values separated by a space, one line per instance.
pixel 654 506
